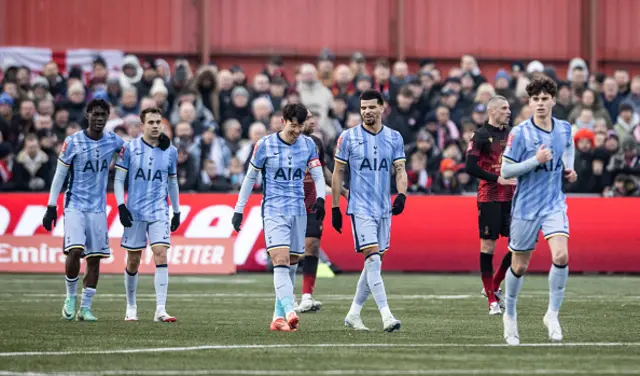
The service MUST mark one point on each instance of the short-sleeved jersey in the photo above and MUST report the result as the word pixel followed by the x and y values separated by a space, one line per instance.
pixel 539 192
pixel 488 143
pixel 370 158
pixel 148 170
pixel 309 185
pixel 283 169
pixel 88 161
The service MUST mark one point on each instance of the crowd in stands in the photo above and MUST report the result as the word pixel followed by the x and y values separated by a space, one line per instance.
pixel 214 115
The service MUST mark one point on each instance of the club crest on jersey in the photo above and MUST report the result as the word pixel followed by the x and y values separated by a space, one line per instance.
pixel 510 140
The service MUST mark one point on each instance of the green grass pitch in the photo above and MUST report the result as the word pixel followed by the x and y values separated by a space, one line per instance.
pixel 223 324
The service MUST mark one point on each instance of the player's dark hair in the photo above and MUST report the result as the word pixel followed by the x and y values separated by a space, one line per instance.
pixel 99 103
pixel 150 110
pixel 372 94
pixel 542 85
pixel 295 111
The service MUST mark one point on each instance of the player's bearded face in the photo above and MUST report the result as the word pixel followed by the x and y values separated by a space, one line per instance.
pixel 370 111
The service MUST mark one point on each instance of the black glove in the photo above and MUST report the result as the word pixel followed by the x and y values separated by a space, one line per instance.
pixel 319 208
pixel 50 216
pixel 125 215
pixel 175 222
pixel 336 219
pixel 164 142
pixel 237 221
pixel 398 204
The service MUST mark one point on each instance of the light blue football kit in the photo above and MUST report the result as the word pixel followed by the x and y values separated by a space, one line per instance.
pixel 87 162
pixel 370 158
pixel 283 169
pixel 539 202
pixel 151 172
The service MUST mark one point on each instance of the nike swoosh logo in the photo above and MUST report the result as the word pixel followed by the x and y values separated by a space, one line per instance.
pixel 139 153
pixel 361 142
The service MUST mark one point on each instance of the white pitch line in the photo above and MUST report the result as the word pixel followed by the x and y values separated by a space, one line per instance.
pixel 335 372
pixel 328 296
pixel 311 345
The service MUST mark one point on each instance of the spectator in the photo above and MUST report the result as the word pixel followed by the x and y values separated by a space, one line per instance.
pixel 585 120
pixel 611 98
pixel 621 77
pixel 625 160
pixel 446 182
pixel 186 168
pixel 317 98
pixel 46 107
pixel 325 67
pixel 129 102
pixel 275 123
pixel 57 84
pixel 634 94
pixel 363 83
pixel 225 81
pixel 131 72
pixel 404 117
pixel 468 64
pixel 627 121
pixel 211 181
pixel 256 132
pixel 147 102
pixel 6 167
pixel 353 120
pixel 418 179
pixel 358 64
pixel 584 140
pixel 6 115
pixel 277 90
pixel 426 145
pixel 261 109
pixel 343 82
pixel 160 95
pixel 206 85
pixel 61 121
pixel 212 147
pixel 72 128
pixel 563 106
pixel 232 135
pixel 590 99
pixel 33 169
pixel 240 109
pixel 236 174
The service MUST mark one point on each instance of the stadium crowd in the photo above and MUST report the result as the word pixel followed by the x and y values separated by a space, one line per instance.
pixel 214 115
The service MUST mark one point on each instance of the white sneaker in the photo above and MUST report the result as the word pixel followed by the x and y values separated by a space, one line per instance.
pixel 132 313
pixel 494 309
pixel 391 324
pixel 511 330
pixel 307 304
pixel 499 296
pixel 553 325
pixel 354 322
pixel 162 316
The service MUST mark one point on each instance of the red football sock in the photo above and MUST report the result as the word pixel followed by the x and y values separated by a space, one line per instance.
pixel 486 271
pixel 502 271
pixel 309 271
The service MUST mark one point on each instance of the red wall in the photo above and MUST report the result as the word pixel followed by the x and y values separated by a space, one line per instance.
pixel 546 30
pixel 495 31
pixel 151 26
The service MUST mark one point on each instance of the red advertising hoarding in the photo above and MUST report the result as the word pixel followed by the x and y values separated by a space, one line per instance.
pixel 434 234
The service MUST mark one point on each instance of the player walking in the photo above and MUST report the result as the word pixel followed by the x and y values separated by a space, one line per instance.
pixel 283 158
pixel 151 164
pixel 314 226
pixel 539 152
pixel 370 150
pixel 85 156
pixel 494 195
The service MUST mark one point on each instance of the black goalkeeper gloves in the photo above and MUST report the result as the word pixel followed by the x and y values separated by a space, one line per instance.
pixel 125 215
pixel 336 219
pixel 50 216
pixel 175 222
pixel 164 141
pixel 319 208
pixel 236 221
pixel 398 204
